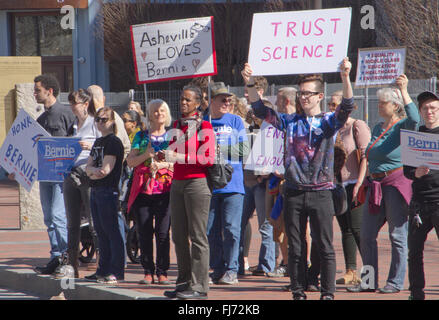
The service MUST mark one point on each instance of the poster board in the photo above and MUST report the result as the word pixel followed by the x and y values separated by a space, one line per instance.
pixel 420 149
pixel 299 42
pixel 175 49
pixel 267 153
pixel 379 67
pixel 18 153
pixel 56 156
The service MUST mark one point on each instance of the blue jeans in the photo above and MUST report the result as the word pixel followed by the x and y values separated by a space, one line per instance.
pixel 223 232
pixel 394 210
pixel 55 219
pixel 104 205
pixel 255 199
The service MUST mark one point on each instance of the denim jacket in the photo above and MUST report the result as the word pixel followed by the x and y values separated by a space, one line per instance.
pixel 309 153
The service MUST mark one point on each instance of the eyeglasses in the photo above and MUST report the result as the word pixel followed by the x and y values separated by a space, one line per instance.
pixel 127 120
pixel 102 120
pixel 306 94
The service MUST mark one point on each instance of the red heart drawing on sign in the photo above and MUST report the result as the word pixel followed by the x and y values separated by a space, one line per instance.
pixel 144 54
pixel 195 63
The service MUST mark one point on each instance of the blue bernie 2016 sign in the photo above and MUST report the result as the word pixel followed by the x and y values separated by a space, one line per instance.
pixel 56 157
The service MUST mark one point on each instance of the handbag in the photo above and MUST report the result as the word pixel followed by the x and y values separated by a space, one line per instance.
pixel 220 173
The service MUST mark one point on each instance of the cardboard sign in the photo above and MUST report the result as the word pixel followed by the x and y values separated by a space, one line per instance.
pixel 176 49
pixel 267 154
pixel 379 66
pixel 18 153
pixel 420 149
pixel 299 42
pixel 56 156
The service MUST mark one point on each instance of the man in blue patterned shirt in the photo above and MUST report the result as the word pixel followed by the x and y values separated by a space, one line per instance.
pixel 309 173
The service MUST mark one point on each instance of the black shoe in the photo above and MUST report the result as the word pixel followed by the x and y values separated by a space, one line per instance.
pixel 190 294
pixel 171 294
pixel 299 296
pixel 388 289
pixel 259 273
pixel 313 288
pixel 50 267
pixel 358 289
pixel 327 297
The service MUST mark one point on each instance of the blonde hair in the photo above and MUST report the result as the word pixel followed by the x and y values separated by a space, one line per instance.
pixel 98 96
pixel 138 107
pixel 394 96
pixel 155 104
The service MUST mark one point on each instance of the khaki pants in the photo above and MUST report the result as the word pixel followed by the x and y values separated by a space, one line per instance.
pixel 190 203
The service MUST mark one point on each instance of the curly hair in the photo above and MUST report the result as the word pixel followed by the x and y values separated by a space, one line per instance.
pixel 49 82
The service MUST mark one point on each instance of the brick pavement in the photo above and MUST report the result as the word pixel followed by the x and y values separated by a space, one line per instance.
pixel 24 249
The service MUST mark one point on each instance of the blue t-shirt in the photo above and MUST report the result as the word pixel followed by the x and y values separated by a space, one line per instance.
pixel 230 130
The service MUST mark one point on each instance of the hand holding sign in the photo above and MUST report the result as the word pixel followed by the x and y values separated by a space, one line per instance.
pixel 246 73
pixel 402 82
pixel 345 68
pixel 421 171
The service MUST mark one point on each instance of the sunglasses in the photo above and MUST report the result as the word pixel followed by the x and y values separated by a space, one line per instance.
pixel 127 120
pixel 102 120
pixel 225 100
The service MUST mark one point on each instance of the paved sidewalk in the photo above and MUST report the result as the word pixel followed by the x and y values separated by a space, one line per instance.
pixel 21 250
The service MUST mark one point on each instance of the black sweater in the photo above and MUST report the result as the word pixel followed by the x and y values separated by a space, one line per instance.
pixel 426 188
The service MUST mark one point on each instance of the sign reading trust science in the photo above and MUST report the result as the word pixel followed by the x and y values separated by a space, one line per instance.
pixel 175 49
pixel 299 42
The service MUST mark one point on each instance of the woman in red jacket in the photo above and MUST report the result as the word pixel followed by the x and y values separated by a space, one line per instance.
pixel 192 150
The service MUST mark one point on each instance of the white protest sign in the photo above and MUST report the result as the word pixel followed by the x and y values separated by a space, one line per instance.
pixel 267 154
pixel 299 42
pixel 420 148
pixel 18 153
pixel 174 49
pixel 379 66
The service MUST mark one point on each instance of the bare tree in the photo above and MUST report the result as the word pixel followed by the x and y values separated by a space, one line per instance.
pixel 414 24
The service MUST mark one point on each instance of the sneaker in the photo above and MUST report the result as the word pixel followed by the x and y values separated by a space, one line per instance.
pixel 50 267
pixel 65 271
pixel 111 279
pixel 163 280
pixel 229 277
pixel 93 277
pixel 280 271
pixel 299 296
pixel 148 279
pixel 327 297
pixel 312 288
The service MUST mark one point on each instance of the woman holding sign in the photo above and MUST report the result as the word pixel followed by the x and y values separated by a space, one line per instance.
pixel 389 192
pixel 76 186
pixel 149 194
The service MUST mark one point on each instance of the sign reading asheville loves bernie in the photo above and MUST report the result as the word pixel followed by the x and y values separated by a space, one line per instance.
pixel 56 156
pixel 175 49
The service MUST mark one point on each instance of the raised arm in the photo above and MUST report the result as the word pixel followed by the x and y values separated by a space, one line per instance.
pixel 413 118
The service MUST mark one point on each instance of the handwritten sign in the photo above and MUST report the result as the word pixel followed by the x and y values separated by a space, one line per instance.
pixel 267 154
pixel 174 49
pixel 379 66
pixel 18 153
pixel 56 156
pixel 420 148
pixel 299 42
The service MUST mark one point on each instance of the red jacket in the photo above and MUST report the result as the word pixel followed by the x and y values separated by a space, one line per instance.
pixel 199 150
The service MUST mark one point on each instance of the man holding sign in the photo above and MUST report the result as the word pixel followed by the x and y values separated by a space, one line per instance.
pixel 309 173
pixel 424 213
pixel 57 120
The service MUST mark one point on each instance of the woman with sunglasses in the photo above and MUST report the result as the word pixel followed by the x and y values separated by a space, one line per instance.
pixel 104 166
pixel 149 194
pixel 133 123
pixel 76 187
pixel 389 191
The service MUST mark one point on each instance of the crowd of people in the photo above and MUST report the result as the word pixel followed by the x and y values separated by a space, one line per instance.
pixel 170 190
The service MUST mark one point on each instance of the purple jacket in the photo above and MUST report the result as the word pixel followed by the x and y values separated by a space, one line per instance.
pixel 397 180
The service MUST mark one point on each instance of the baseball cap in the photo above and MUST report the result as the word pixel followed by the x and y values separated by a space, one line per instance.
pixel 424 96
